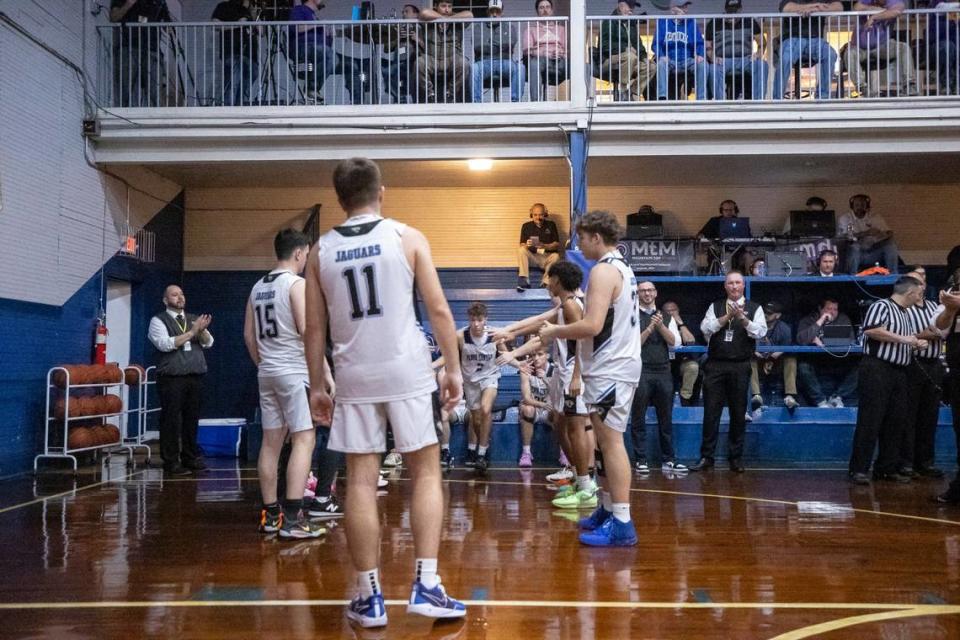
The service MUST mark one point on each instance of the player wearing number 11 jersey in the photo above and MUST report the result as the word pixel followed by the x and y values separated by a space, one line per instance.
pixel 272 328
pixel 360 281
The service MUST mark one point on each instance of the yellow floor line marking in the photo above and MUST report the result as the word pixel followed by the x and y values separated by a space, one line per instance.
pixel 903 610
pixel 76 490
pixel 842 623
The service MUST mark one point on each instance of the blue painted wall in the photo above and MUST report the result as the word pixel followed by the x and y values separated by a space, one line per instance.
pixel 40 336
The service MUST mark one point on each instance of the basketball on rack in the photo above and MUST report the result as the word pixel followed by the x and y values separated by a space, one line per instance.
pixel 112 403
pixel 113 432
pixel 134 374
pixel 112 374
pixel 79 438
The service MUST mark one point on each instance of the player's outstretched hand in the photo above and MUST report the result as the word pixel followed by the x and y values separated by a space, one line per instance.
pixel 499 335
pixel 321 406
pixel 506 359
pixel 547 332
pixel 451 389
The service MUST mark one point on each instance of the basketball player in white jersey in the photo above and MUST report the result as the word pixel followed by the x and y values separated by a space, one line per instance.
pixel 272 332
pixel 535 404
pixel 564 284
pixel 609 347
pixel 481 378
pixel 360 279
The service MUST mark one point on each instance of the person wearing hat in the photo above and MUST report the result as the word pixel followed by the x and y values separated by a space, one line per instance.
pixel 496 54
pixel 732 327
pixel 766 363
pixel 730 46
pixel 679 47
pixel 802 40
pixel 545 51
pixel 622 56
pixel 444 70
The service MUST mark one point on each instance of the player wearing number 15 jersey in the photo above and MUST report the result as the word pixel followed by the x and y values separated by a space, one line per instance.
pixel 271 331
pixel 360 281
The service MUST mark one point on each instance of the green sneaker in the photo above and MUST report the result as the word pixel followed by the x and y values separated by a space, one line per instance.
pixel 566 490
pixel 578 500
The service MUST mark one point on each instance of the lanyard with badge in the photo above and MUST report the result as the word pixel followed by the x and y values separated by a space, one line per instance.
pixel 183 329
pixel 728 334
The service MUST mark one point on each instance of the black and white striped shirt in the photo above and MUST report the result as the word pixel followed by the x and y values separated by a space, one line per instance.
pixel 922 317
pixel 888 314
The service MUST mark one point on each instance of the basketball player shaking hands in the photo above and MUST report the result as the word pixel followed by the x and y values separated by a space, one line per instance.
pixel 609 348
pixel 360 280
pixel 272 332
pixel 564 284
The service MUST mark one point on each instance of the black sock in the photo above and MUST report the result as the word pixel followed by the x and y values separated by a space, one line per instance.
pixel 291 509
pixel 273 508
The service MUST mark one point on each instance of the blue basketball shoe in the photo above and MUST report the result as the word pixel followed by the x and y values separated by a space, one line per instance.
pixel 368 612
pixel 595 520
pixel 611 533
pixel 434 603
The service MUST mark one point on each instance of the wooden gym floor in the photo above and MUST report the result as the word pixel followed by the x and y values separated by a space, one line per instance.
pixel 783 554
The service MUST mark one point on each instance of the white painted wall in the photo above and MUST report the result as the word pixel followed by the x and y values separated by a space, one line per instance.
pixel 61 218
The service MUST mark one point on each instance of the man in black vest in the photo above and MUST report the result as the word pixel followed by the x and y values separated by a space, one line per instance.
pixel 732 327
pixel 659 336
pixel 180 339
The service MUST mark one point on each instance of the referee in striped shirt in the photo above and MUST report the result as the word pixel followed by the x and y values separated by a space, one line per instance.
pixel 882 384
pixel 924 390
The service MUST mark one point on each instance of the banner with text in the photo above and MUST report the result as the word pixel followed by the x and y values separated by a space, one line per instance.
pixel 655 256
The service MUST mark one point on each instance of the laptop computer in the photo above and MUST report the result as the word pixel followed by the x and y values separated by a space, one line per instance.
pixel 786 263
pixel 837 335
pixel 641 226
pixel 734 228
pixel 820 224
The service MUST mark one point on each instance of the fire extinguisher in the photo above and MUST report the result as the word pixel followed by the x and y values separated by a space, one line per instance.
pixel 100 343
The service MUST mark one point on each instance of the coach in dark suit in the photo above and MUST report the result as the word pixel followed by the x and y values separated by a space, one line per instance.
pixel 180 339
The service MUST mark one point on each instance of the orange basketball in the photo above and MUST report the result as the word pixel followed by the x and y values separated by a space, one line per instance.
pixel 112 403
pixel 112 373
pixel 60 378
pixel 113 432
pixel 85 406
pixel 98 436
pixel 79 438
pixel 134 374
pixel 79 374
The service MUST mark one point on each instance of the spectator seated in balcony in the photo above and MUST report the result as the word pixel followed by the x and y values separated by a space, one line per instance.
pixel 402 49
pixel 814 203
pixel 685 367
pixel 766 364
pixel 239 52
pixel 496 55
pixel 802 41
pixel 679 48
pixel 622 57
pixel 730 46
pixel 872 46
pixel 869 238
pixel 139 57
pixel 819 373
pixel 311 47
pixel 943 47
pixel 545 52
pixel 444 71
pixel 539 244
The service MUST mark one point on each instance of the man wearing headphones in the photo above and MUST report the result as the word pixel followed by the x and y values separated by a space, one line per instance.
pixel 869 238
pixel 826 264
pixel 728 209
pixel 539 244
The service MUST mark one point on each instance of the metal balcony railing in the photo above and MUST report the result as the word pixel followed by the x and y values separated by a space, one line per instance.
pixel 737 57
pixel 326 62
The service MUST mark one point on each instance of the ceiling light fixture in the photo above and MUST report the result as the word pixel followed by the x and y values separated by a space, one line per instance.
pixel 480 164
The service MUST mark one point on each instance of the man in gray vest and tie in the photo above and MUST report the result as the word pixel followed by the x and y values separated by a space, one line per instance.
pixel 180 339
